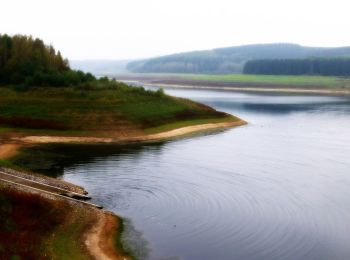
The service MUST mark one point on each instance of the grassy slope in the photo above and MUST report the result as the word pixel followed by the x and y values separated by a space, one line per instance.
pixel 35 227
pixel 32 227
pixel 87 111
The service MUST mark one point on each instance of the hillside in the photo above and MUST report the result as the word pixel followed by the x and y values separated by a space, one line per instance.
pixel 311 66
pixel 39 90
pixel 113 111
pixel 43 100
pixel 231 59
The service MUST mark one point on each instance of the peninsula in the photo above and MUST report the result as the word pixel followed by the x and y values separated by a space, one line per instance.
pixel 42 100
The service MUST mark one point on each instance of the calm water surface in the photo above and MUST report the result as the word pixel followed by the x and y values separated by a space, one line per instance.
pixel 278 188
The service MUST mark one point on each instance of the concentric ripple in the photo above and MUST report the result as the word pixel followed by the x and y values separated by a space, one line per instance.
pixel 275 189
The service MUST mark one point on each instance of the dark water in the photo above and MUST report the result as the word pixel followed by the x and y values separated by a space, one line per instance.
pixel 278 188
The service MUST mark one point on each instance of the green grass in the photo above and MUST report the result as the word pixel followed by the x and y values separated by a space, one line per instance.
pixel 271 79
pixel 66 242
pixel 5 163
pixel 75 110
pixel 118 240
pixel 297 81
pixel 9 130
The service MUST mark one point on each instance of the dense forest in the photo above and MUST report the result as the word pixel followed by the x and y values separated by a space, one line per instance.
pixel 232 59
pixel 29 62
pixel 325 67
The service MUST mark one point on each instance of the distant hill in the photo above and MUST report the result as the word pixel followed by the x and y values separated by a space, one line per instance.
pixel 309 66
pixel 100 67
pixel 231 59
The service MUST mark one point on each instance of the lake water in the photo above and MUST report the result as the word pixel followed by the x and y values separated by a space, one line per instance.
pixel 278 188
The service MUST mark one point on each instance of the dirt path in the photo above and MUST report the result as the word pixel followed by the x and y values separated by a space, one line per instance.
pixel 41 186
pixel 44 188
pixel 60 184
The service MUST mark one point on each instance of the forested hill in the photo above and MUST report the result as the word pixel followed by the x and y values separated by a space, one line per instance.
pixel 311 66
pixel 232 59
pixel 29 62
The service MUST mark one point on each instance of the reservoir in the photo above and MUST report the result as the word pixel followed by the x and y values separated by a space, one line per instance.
pixel 277 188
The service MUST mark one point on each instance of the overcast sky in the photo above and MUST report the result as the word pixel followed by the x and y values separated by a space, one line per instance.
pixel 124 29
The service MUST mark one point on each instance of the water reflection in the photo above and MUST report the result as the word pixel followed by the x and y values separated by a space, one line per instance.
pixel 53 159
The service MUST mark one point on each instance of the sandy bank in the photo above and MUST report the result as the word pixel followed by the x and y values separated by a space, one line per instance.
pixel 100 239
pixel 96 229
pixel 259 89
pixel 193 129
pixel 241 88
pixel 144 138
pixel 8 150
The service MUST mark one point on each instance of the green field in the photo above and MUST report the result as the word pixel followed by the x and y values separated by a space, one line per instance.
pixel 264 80
pixel 80 110
pixel 271 79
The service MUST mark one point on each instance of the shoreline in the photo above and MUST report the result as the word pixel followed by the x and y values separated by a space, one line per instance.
pixel 100 238
pixel 166 135
pixel 8 150
pixel 242 88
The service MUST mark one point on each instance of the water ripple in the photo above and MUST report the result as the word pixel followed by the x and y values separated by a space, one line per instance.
pixel 277 189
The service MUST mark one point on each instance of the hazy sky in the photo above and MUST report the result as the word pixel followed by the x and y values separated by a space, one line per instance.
pixel 123 29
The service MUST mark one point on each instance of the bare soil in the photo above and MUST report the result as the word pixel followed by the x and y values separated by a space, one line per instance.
pixel 175 82
pixel 125 139
pixel 100 238
pixel 8 150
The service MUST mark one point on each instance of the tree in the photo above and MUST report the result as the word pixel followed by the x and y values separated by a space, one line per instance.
pixel 28 61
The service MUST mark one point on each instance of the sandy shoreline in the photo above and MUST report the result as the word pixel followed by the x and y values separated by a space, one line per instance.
pixel 8 150
pixel 101 227
pixel 275 90
pixel 99 239
pixel 126 139
pixel 246 89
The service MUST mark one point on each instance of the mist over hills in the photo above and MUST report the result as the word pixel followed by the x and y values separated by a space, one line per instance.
pixel 100 67
pixel 231 59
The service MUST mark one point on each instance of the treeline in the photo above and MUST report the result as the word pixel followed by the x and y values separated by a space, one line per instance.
pixel 29 62
pixel 190 63
pixel 314 66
